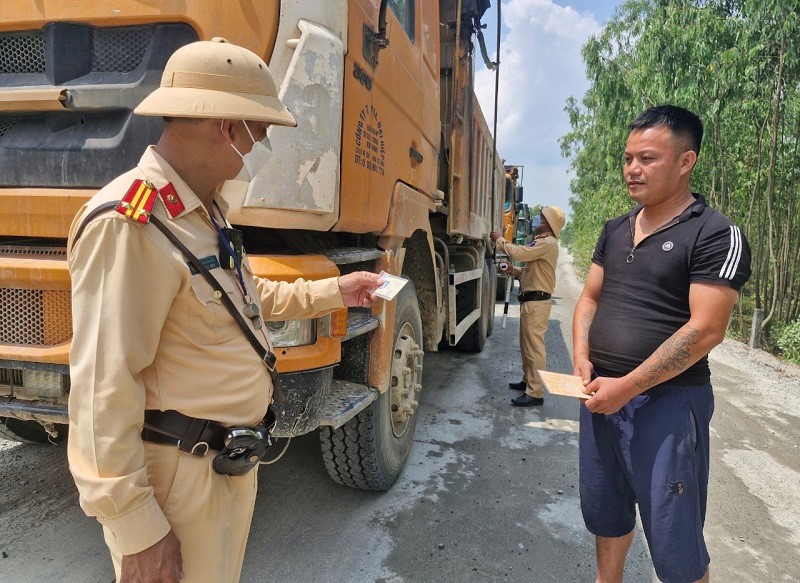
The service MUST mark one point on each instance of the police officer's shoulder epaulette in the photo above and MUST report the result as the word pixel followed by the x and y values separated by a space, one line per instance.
pixel 137 203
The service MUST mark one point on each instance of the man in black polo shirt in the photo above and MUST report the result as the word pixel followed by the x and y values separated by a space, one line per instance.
pixel 663 283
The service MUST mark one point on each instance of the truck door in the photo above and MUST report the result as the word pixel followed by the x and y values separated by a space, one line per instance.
pixel 391 117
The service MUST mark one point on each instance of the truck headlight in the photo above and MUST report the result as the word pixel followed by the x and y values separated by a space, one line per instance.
pixel 292 333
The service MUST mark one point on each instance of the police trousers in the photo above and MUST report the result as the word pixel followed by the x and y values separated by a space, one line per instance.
pixel 532 326
pixel 210 513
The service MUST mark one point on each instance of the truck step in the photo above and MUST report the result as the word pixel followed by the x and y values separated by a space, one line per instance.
pixel 346 255
pixel 359 323
pixel 346 400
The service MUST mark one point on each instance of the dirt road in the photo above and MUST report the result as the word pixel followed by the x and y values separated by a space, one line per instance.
pixel 489 494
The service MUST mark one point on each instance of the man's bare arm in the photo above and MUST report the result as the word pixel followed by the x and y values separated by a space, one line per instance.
pixel 674 356
pixel 582 321
pixel 711 307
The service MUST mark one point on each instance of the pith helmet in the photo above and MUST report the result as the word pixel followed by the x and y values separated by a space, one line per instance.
pixel 217 79
pixel 555 218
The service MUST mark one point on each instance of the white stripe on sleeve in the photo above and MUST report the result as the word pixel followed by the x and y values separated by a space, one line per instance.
pixel 734 254
pixel 738 253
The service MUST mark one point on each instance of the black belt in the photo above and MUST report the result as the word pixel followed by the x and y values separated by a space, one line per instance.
pixel 195 436
pixel 533 296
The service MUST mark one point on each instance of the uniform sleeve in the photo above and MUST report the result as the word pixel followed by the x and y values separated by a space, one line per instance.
pixel 599 249
pixel 721 256
pixel 300 299
pixel 525 254
pixel 122 289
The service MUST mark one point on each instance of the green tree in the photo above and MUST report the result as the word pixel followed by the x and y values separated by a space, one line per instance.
pixel 736 63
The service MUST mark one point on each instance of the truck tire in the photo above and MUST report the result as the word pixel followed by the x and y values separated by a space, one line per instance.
pixel 474 339
pixel 29 431
pixel 492 294
pixel 500 290
pixel 369 451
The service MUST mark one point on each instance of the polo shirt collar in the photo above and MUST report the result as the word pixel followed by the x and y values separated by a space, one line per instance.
pixel 694 209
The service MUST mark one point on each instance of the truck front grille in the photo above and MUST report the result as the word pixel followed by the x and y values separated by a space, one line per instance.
pixel 106 72
pixel 119 50
pixel 113 50
pixel 10 376
pixel 33 251
pixel 22 52
pixel 35 317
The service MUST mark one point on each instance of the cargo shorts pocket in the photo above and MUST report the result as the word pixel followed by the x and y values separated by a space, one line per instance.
pixel 209 319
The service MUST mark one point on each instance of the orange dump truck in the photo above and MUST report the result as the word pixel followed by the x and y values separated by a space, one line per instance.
pixel 390 168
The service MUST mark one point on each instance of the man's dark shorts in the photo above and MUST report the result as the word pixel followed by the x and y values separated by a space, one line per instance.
pixel 653 452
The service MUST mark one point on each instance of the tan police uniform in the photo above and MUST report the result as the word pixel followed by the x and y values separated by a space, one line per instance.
pixel 538 274
pixel 148 334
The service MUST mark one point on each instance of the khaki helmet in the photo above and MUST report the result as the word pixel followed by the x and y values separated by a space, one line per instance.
pixel 555 218
pixel 217 79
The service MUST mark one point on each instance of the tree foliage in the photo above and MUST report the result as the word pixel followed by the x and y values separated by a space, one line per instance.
pixel 736 63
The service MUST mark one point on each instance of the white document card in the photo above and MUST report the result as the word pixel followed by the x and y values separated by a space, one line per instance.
pixel 390 287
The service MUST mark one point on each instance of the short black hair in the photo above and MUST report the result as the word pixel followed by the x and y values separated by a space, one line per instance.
pixel 681 121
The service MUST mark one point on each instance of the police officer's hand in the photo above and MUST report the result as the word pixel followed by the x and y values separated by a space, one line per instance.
pixel 610 394
pixel 160 563
pixel 358 288
pixel 505 267
pixel 494 236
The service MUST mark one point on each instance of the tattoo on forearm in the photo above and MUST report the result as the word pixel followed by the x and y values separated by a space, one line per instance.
pixel 675 355
pixel 586 323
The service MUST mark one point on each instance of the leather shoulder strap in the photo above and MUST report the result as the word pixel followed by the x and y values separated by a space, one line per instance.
pixel 267 357
pixel 103 208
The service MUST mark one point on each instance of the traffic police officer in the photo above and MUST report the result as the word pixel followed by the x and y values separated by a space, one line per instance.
pixel 537 282
pixel 160 369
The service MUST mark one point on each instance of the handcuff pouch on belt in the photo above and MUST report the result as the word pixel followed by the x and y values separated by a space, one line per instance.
pixel 244 447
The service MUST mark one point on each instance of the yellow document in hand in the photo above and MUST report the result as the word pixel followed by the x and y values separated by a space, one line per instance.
pixel 566 385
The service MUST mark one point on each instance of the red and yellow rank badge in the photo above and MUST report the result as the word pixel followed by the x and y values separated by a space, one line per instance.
pixel 138 201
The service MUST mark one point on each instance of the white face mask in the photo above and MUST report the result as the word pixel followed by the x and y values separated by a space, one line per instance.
pixel 255 159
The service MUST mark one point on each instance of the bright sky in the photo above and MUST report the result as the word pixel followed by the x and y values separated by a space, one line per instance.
pixel 540 67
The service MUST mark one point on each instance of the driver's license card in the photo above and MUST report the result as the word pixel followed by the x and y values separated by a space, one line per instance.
pixel 390 287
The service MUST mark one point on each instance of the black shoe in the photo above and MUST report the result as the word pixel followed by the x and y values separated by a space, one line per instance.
pixel 525 400
pixel 520 386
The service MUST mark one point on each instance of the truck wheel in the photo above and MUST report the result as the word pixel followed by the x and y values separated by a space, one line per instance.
pixel 492 294
pixel 369 451
pixel 500 290
pixel 474 339
pixel 29 431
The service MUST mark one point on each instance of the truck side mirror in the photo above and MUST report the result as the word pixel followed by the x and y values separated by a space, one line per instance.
pixel 518 194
